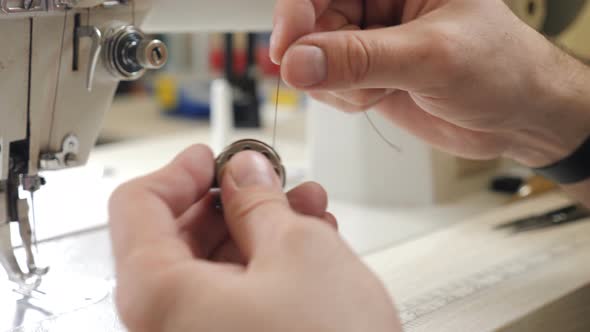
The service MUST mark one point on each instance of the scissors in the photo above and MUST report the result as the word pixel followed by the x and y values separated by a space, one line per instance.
pixel 565 215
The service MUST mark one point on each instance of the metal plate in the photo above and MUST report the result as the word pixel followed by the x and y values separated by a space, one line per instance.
pixel 81 264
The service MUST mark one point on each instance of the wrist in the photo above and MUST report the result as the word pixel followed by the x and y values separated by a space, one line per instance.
pixel 559 119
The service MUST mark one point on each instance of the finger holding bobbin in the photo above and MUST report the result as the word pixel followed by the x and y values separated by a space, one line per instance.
pixel 249 145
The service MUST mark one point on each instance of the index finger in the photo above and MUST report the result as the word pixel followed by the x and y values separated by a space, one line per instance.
pixel 293 19
pixel 143 212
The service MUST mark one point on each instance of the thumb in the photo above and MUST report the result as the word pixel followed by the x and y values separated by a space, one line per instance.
pixel 254 204
pixel 395 57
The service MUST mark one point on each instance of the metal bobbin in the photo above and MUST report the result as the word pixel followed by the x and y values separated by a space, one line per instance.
pixel 249 145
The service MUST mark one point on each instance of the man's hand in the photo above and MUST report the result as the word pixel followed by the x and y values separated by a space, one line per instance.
pixel 464 75
pixel 269 262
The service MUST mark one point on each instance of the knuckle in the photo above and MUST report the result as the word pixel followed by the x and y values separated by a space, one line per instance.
pixel 357 57
pixel 253 202
pixel 296 237
pixel 120 195
pixel 442 52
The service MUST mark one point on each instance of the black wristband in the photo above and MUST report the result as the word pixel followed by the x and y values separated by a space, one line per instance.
pixel 573 169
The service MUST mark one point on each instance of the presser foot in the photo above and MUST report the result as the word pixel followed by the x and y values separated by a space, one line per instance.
pixel 10 262
pixel 7 257
pixel 15 210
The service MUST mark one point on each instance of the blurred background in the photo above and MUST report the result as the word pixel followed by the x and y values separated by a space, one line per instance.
pixel 323 146
pixel 177 98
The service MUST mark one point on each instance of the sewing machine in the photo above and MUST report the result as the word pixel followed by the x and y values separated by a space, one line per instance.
pixel 60 66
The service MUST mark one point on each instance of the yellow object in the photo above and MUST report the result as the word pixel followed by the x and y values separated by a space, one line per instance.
pixel 166 91
pixel 534 186
pixel 286 97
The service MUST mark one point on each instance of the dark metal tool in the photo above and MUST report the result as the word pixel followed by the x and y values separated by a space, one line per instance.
pixel 562 216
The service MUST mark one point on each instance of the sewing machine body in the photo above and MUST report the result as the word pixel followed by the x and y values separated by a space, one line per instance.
pixel 53 99
pixel 61 63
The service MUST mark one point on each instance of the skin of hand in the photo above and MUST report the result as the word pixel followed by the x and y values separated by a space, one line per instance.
pixel 268 262
pixel 466 76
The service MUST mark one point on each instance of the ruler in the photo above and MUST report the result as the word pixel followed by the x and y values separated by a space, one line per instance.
pixel 413 310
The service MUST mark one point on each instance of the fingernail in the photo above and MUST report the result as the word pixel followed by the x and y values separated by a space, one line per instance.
pixel 308 65
pixel 252 169
pixel 274 40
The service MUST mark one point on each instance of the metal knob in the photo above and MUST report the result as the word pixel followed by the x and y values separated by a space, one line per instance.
pixel 129 53
pixel 152 54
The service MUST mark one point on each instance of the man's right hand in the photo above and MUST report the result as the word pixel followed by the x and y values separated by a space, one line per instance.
pixel 464 75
